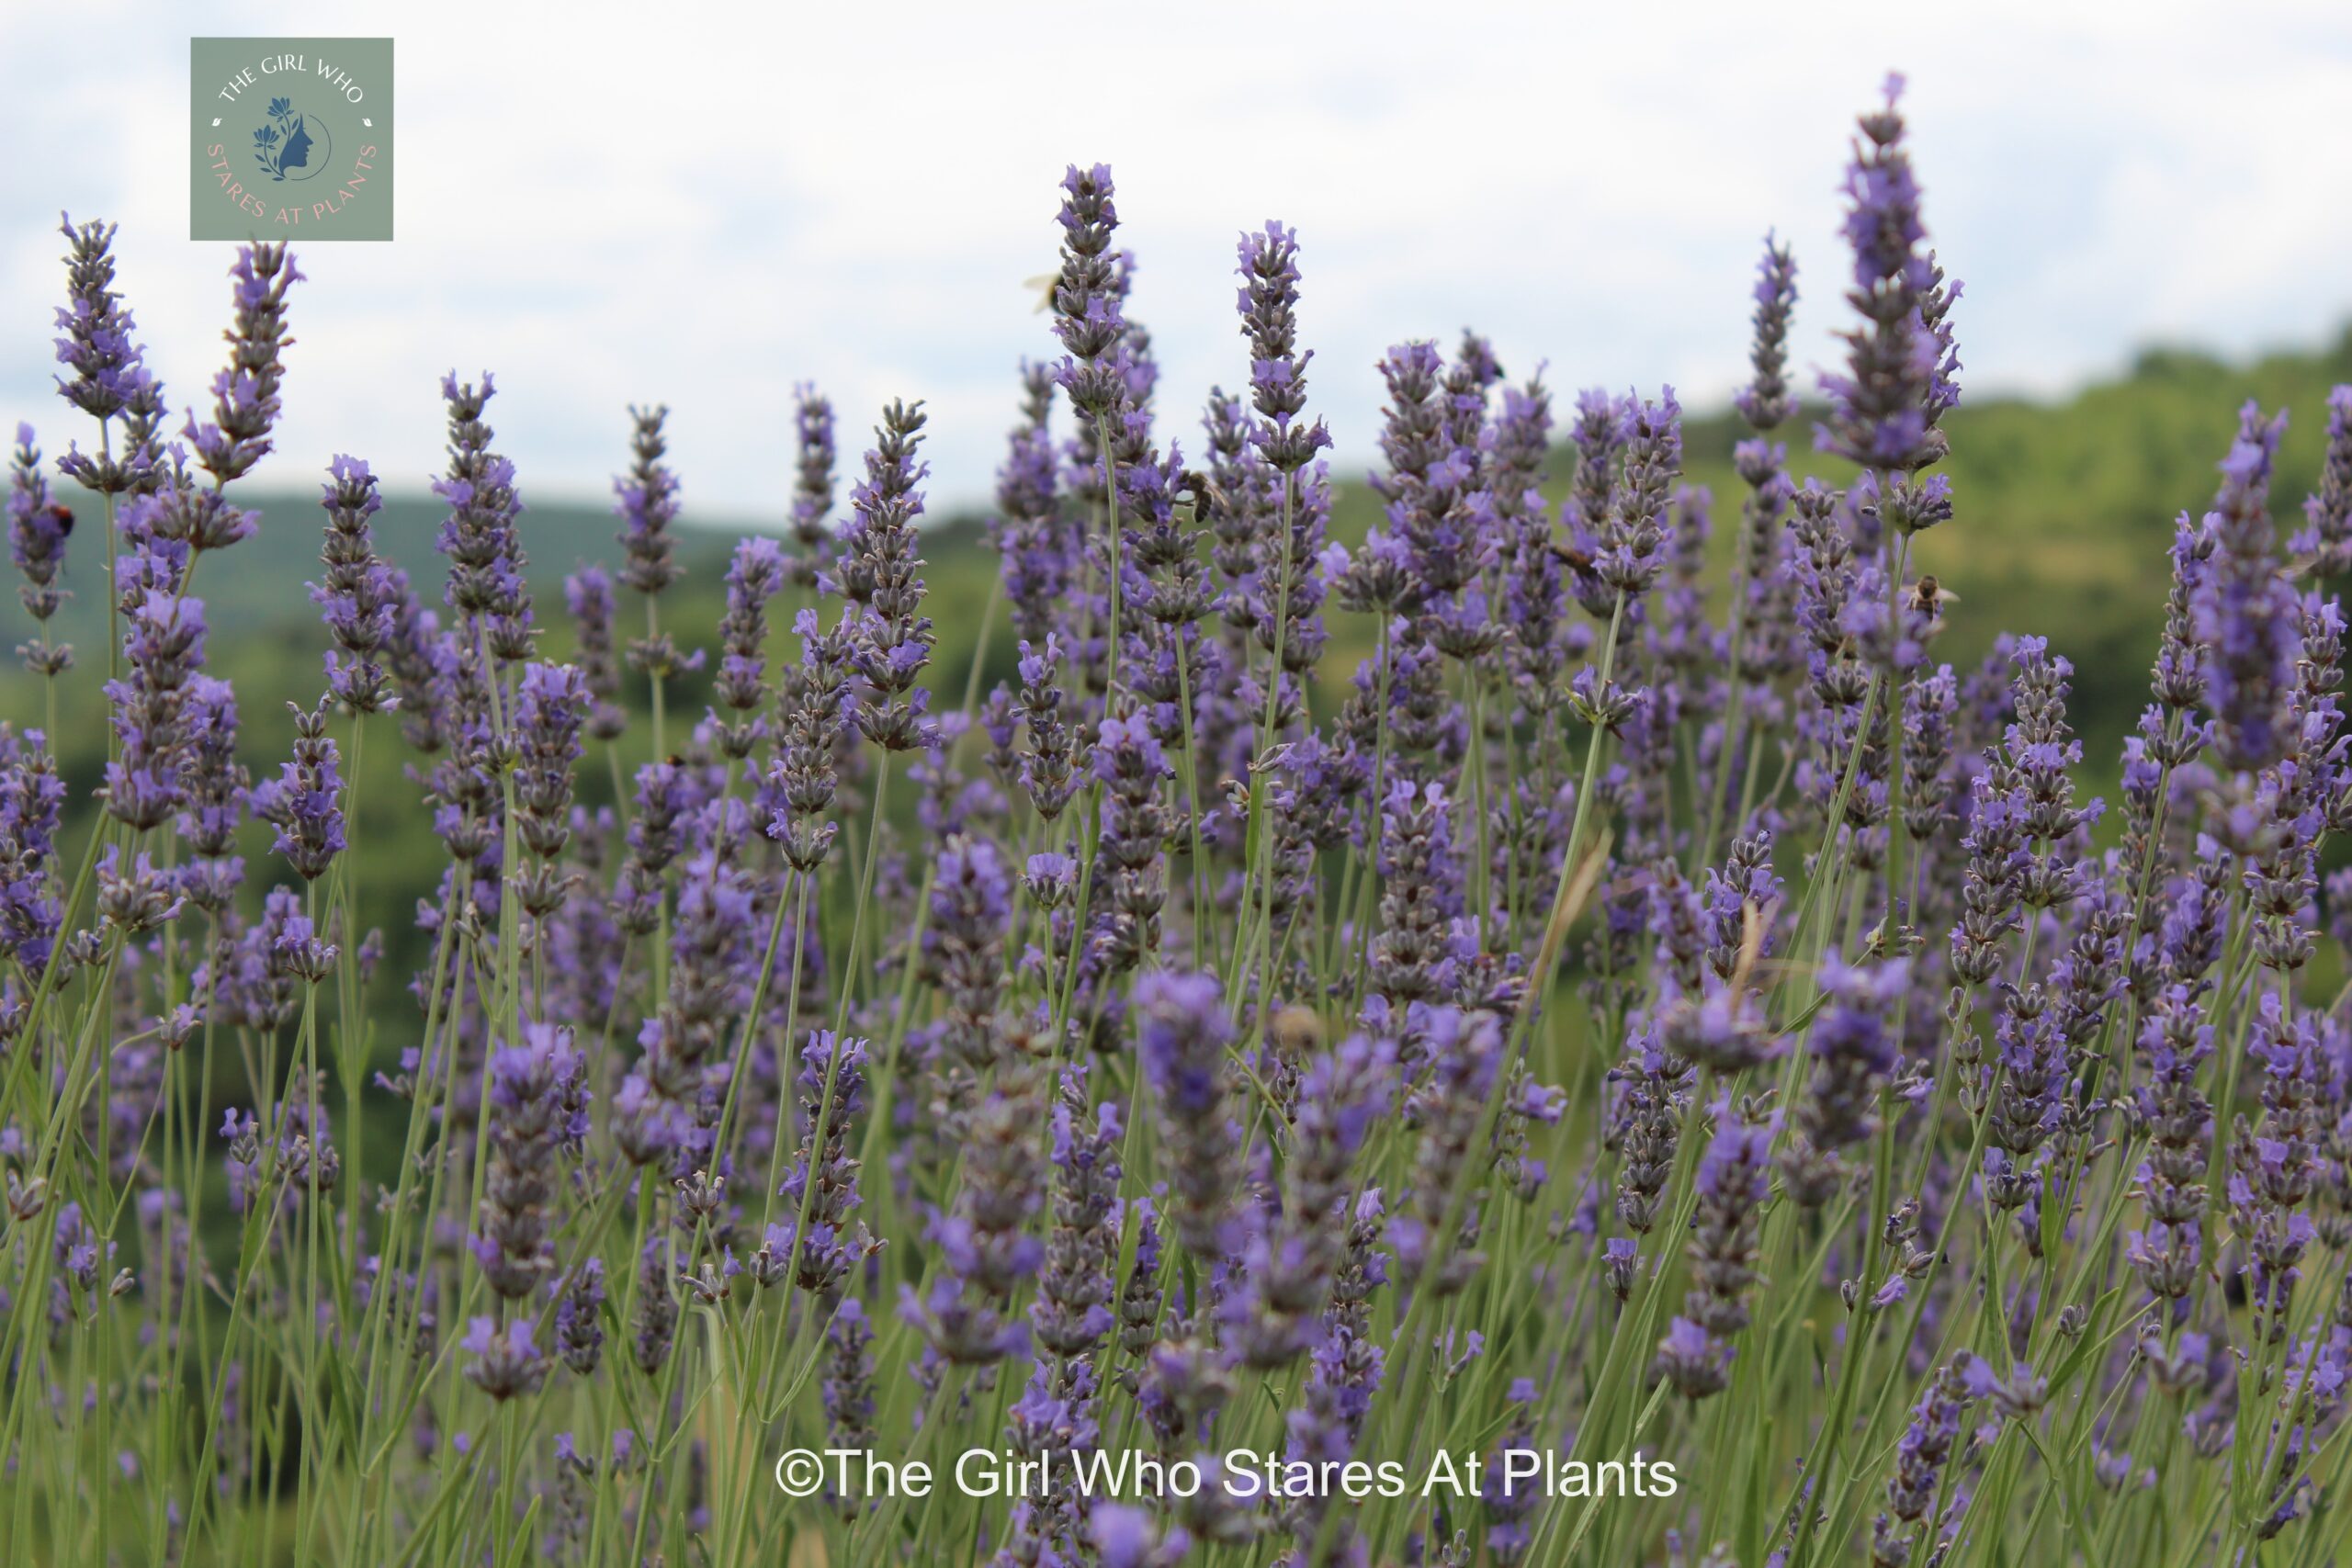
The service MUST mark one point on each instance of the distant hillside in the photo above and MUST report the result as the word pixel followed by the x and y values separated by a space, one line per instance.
pixel 2064 516
pixel 2066 508
pixel 2065 511
pixel 259 585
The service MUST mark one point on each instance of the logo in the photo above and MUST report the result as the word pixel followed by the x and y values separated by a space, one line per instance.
pixel 284 146
pixel 290 137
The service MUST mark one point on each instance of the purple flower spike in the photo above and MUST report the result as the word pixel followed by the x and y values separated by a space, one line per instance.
pixel 360 598
pixel 2243 612
pixel 882 577
pixel 1268 304
pixel 1766 401
pixel 812 486
pixel 32 804
pixel 1180 1045
pixel 487 587
pixel 2327 537
pixel 505 1365
pixel 536 1090
pixel 1087 295
pixel 244 395
pixel 822 1183
pixel 754 576
pixel 588 594
pixel 163 646
pixel 37 527
pixel 109 378
pixel 304 803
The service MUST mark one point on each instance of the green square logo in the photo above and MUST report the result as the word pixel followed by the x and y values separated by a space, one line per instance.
pixel 290 139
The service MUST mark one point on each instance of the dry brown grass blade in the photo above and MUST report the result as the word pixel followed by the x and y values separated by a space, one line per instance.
pixel 1574 894
pixel 1751 945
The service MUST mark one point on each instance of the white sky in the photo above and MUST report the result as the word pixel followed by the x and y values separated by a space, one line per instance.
pixel 700 205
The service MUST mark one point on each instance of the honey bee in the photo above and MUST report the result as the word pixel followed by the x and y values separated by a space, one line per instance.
pixel 1579 559
pixel 1208 501
pixel 1928 597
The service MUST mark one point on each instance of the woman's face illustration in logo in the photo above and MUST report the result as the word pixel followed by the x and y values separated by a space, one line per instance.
pixel 298 147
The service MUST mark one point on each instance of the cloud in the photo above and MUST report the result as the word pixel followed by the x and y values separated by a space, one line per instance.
pixel 704 208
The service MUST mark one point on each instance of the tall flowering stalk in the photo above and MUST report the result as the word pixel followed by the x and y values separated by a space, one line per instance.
pixel 539 1106
pixel 162 650
pixel 2325 539
pixel 882 577
pixel 1288 571
pixel 38 529
pixel 246 395
pixel 245 407
pixel 32 802
pixel 1088 302
pixel 360 596
pixel 2242 610
pixel 1887 406
pixel 1733 1182
pixel 588 595
pixel 551 708
pixel 109 382
pixel 1756 645
pixel 813 485
pixel 647 502
pixel 815 1247
pixel 487 586
pixel 1181 1048
pixel 754 576
pixel 304 803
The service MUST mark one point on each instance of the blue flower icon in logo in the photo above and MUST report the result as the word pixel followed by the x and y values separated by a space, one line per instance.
pixel 291 146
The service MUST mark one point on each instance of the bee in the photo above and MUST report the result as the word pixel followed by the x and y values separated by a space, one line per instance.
pixel 1208 501
pixel 1297 1028
pixel 1581 559
pixel 1928 597
pixel 64 516
pixel 1042 286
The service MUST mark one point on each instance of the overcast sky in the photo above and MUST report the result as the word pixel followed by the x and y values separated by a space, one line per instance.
pixel 652 203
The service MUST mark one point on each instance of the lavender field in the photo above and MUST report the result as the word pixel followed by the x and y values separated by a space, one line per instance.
pixel 1565 1029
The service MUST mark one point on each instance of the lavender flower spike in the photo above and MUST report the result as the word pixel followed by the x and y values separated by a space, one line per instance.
pixel 109 379
pixel 1181 1044
pixel 2325 540
pixel 534 1091
pixel 37 527
pixel 1883 410
pixel 1268 304
pixel 588 594
pixel 1086 296
pixel 244 395
pixel 822 1187
pixel 648 504
pixel 2244 614
pixel 881 573
pixel 304 803
pixel 754 576
pixel 1766 401
pixel 361 594
pixel 812 487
